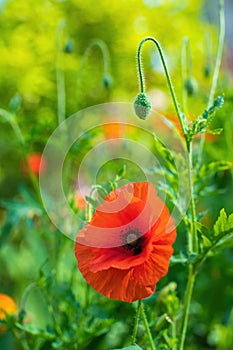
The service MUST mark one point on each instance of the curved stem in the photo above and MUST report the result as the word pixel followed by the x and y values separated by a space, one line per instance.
pixel 219 52
pixel 105 54
pixel 135 328
pixel 26 293
pixel 147 328
pixel 216 67
pixel 141 80
pixel 96 188
pixel 187 300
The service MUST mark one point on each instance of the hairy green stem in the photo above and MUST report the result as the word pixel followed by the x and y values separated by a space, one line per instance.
pixel 147 328
pixel 187 300
pixel 216 68
pixel 141 80
pixel 135 328
pixel 192 240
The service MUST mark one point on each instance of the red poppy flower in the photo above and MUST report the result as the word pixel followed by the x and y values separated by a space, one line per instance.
pixel 35 163
pixel 125 249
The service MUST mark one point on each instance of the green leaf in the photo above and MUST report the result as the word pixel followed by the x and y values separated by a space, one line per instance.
pixel 132 347
pixel 204 175
pixel 214 131
pixel 35 331
pixel 178 259
pixel 224 224
pixel 217 104
pixel 221 237
pixel 92 201
pixel 204 231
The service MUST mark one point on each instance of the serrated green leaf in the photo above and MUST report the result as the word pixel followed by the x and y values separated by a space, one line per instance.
pixel 217 104
pixel 222 237
pixel 204 231
pixel 223 223
pixel 215 131
pixel 204 176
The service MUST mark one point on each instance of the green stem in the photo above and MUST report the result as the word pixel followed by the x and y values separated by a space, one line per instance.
pixel 216 67
pixel 26 293
pixel 192 238
pixel 173 329
pixel 135 328
pixel 21 340
pixel 186 70
pixel 61 94
pixel 146 325
pixel 187 300
pixel 141 80
pixel 11 119
pixel 98 188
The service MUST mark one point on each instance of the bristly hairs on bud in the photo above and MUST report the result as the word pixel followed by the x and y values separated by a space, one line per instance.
pixel 142 105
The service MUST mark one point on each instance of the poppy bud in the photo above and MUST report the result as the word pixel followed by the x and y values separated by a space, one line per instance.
pixel 69 46
pixel 142 105
pixel 190 86
pixel 107 81
pixel 207 70
pixel 15 103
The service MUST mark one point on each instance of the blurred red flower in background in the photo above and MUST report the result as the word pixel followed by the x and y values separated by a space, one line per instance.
pixel 113 130
pixel 125 249
pixel 35 162
pixel 7 306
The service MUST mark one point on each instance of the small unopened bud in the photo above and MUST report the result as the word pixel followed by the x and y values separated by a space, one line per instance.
pixel 15 103
pixel 107 81
pixel 142 105
pixel 69 46
pixel 190 86
pixel 207 70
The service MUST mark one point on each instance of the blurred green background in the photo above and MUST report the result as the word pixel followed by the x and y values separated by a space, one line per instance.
pixel 45 70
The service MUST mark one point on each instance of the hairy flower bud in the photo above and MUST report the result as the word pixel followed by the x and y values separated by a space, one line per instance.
pixel 142 105
pixel 190 86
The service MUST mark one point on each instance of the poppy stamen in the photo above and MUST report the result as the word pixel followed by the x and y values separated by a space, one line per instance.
pixel 133 240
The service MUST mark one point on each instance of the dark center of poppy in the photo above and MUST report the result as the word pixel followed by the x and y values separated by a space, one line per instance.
pixel 133 240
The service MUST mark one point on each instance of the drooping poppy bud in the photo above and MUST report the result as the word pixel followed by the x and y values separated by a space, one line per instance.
pixel 190 86
pixel 142 105
pixel 107 81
